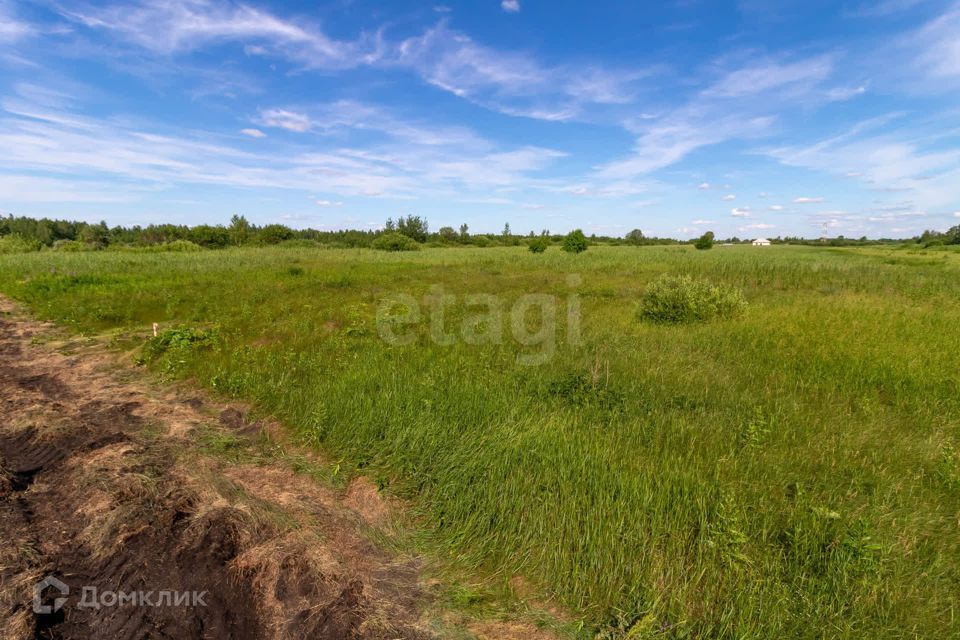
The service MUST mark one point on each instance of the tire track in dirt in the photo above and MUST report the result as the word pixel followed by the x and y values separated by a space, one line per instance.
pixel 96 490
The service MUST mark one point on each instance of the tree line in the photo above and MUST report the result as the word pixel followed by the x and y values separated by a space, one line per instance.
pixel 28 233
pixel 35 233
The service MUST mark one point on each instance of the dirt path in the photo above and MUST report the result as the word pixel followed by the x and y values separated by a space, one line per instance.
pixel 103 486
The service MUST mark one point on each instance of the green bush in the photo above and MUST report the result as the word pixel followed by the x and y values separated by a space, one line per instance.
pixel 209 236
pixel 175 246
pixel 575 242
pixel 677 299
pixel 538 245
pixel 71 245
pixel 15 243
pixel 705 241
pixel 274 234
pixel 395 242
pixel 174 348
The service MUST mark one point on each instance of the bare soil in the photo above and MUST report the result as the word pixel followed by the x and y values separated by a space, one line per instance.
pixel 102 485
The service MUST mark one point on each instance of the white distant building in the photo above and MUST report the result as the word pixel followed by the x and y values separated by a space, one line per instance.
pixel 761 242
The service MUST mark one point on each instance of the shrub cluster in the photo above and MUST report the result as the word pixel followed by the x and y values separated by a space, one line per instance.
pixel 574 242
pixel 179 341
pixel 678 299
pixel 177 246
pixel 15 243
pixel 538 244
pixel 395 242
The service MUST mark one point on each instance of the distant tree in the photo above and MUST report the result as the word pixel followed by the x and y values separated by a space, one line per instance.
pixel 239 230
pixel 506 230
pixel 413 227
pixel 538 244
pixel 209 236
pixel 274 234
pixel 95 235
pixel 705 241
pixel 575 242
pixel 447 233
pixel 464 229
pixel 545 233
pixel 634 237
pixel 953 235
pixel 390 226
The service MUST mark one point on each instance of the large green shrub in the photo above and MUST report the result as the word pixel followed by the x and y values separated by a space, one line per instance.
pixel 176 246
pixel 274 234
pixel 395 242
pixel 575 242
pixel 209 236
pixel 705 241
pixel 677 299
pixel 15 243
pixel 538 245
pixel 71 245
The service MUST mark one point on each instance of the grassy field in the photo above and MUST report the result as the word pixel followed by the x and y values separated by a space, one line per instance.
pixel 792 472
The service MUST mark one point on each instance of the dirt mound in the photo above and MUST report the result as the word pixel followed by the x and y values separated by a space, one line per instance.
pixel 177 545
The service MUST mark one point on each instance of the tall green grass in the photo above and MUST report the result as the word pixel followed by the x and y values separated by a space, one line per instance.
pixel 791 472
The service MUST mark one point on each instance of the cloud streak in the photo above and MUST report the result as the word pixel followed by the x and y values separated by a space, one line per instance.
pixel 48 141
pixel 175 26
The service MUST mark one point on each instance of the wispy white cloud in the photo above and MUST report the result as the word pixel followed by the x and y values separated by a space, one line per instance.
pixel 510 82
pixel 909 161
pixel 938 43
pixel 284 119
pixel 883 8
pixel 890 217
pixel 744 103
pixel 172 26
pixel 11 30
pixel 340 117
pixel 36 189
pixel 669 141
pixel 510 6
pixel 328 203
pixel 703 185
pixel 806 200
pixel 56 142
pixel 729 197
pixel 740 212
pixel 839 94
pixel 253 133
pixel 771 75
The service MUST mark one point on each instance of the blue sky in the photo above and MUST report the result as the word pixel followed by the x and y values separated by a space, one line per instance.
pixel 748 118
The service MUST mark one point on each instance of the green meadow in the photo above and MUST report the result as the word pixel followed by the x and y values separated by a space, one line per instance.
pixel 792 471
